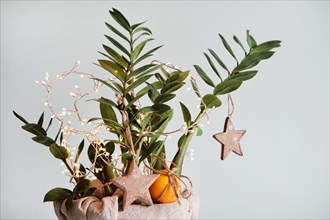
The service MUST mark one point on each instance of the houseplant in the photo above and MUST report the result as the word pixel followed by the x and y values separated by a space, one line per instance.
pixel 139 129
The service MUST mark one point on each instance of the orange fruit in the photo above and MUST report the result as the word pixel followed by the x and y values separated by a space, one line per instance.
pixel 162 191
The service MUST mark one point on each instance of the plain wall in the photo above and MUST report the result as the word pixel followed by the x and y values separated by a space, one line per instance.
pixel 284 173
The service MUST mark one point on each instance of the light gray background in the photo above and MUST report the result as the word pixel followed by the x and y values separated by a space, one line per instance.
pixel 284 173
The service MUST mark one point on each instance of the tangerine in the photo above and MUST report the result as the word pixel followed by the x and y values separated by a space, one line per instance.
pixel 162 191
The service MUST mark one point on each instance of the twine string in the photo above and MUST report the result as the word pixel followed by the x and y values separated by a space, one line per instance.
pixel 172 176
pixel 230 106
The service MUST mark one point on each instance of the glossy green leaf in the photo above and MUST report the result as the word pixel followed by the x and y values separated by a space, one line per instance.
pixel 164 98
pixel 139 29
pixel 118 59
pixel 118 45
pixel 134 26
pixel 20 118
pixel 58 133
pixel 182 141
pixel 156 85
pixel 160 77
pixel 105 101
pixel 216 57
pixel 49 124
pixel 113 68
pixel 177 76
pixel 211 101
pixel 141 69
pixel 114 30
pixel 140 35
pixel 228 48
pixel 138 82
pixel 107 84
pixel 250 40
pixel 204 76
pixel 120 143
pixel 80 149
pixel 252 60
pixel 239 43
pixel 186 114
pixel 266 46
pixel 212 65
pixel 199 132
pixel 121 20
pixel 153 93
pixel 153 149
pixel 110 147
pixel 171 87
pixel 139 49
pixel 57 194
pixel 43 140
pixel 41 119
pixel 59 152
pixel 82 186
pixel 227 86
pixel 147 54
pixel 34 129
pixel 243 76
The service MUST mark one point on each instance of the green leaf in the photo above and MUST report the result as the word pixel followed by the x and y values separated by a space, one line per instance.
pixel 147 54
pixel 110 147
pixel 160 77
pixel 153 93
pixel 114 30
pixel 186 114
pixel 212 65
pixel 35 129
pixel 199 131
pixel 142 29
pixel 115 57
pixel 250 40
pixel 164 98
pixel 156 85
pixel 120 143
pixel 227 86
pixel 177 76
pixel 41 119
pixel 228 48
pixel 252 60
pixel 239 43
pixel 43 140
pixel 139 49
pixel 138 82
pixel 121 20
pixel 49 124
pixel 204 76
pixel 105 101
pixel 243 76
pixel 266 46
pixel 118 45
pixel 141 70
pixel 216 57
pixel 20 118
pixel 113 68
pixel 82 186
pixel 211 101
pixel 171 87
pixel 58 133
pixel 57 194
pixel 182 141
pixel 107 84
pixel 138 37
pixel 134 26
pixel 153 149
pixel 59 152
pixel 80 149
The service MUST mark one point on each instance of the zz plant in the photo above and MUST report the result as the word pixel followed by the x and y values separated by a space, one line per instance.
pixel 140 130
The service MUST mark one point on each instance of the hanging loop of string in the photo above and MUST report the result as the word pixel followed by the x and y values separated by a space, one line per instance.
pixel 230 106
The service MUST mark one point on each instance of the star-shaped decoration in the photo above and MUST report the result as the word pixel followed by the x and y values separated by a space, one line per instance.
pixel 135 186
pixel 230 139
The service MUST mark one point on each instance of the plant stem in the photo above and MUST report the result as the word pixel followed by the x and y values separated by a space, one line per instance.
pixel 180 154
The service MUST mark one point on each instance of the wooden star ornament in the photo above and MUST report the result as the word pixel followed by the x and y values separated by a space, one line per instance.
pixel 135 185
pixel 230 139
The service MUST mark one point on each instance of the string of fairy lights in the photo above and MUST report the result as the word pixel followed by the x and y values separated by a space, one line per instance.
pixel 92 134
